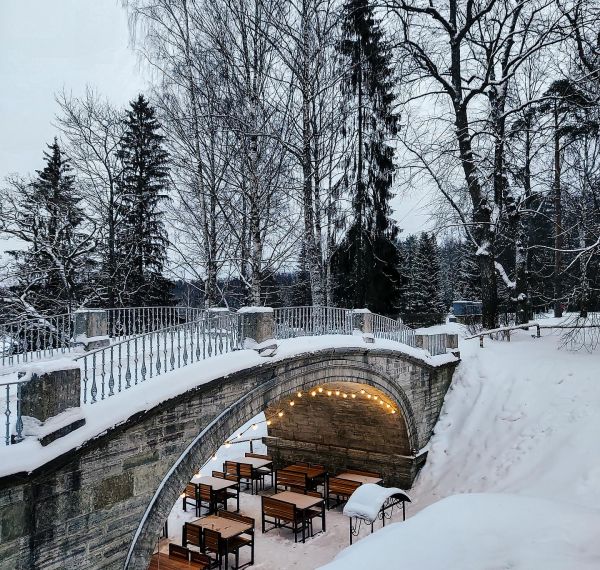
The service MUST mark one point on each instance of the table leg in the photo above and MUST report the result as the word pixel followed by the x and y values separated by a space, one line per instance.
pixel 303 526
pixel 323 515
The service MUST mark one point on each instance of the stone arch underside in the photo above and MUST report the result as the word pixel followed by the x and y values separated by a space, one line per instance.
pixel 277 386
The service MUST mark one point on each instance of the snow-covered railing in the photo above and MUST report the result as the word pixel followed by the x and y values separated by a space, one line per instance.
pixel 24 340
pixel 115 368
pixel 132 321
pixel 132 359
pixel 384 327
pixel 11 390
pixel 291 322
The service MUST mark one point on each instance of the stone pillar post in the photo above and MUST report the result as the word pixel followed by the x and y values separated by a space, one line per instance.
pixel 257 329
pixel 50 403
pixel 91 329
pixel 452 344
pixel 362 324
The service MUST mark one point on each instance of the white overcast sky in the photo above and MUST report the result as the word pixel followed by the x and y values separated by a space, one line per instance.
pixel 50 45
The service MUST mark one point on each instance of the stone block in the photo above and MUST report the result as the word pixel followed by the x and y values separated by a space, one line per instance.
pixel 48 394
pixel 113 490
pixel 257 327
pixel 91 329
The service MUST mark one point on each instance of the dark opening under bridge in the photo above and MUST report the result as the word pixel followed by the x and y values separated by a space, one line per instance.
pixel 101 499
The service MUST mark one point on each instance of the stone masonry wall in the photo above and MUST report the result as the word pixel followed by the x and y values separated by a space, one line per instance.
pixel 87 508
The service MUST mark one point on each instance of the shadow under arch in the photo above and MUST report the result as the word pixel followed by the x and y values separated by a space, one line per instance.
pixel 201 448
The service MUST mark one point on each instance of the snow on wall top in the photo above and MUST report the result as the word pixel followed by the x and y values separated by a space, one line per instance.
pixel 255 310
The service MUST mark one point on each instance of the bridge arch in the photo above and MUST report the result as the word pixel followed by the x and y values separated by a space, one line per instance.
pixel 280 386
pixel 113 493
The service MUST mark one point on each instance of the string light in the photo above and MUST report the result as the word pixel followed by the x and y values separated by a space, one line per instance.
pixel 329 392
pixel 227 444
pixel 292 402
pixel 353 396
pixel 313 393
pixel 280 414
pixel 337 392
pixel 362 391
pixel 269 422
pixel 255 426
pixel 345 395
pixel 299 394
pixel 320 389
pixel 369 396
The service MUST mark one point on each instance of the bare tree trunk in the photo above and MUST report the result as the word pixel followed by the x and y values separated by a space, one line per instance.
pixel 558 238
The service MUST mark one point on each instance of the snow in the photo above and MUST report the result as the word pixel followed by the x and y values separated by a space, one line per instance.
pixel 255 310
pixel 111 412
pixel 483 532
pixel 512 479
pixel 368 499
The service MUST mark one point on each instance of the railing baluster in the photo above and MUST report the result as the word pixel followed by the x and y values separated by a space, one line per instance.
pixel 7 414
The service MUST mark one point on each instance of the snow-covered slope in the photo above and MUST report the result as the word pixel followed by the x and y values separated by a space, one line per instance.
pixel 520 428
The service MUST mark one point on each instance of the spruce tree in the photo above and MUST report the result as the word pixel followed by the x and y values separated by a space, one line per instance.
pixel 50 219
pixel 366 262
pixel 429 255
pixel 142 238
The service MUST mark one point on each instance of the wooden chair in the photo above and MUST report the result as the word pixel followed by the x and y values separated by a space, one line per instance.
pixel 223 495
pixel 199 560
pixel 293 480
pixel 248 475
pixel 207 498
pixel 237 542
pixel 263 471
pixel 191 534
pixel 178 552
pixel 231 468
pixel 341 489
pixel 191 494
pixel 282 515
pixel 311 514
pixel 212 543
pixel 218 474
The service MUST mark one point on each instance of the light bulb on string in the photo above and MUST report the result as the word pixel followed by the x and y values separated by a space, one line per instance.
pixel 280 414
pixel 337 392
pixel 362 391
pixel 313 393
pixel 344 395
pixel 329 392
pixel 353 395
pixel 269 422
pixel 320 389
pixel 292 402
pixel 299 394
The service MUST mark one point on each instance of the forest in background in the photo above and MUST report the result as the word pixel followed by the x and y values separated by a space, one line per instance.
pixel 260 167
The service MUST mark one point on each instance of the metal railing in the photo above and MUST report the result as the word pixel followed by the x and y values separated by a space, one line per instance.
pixel 132 321
pixel 133 359
pixel 291 322
pixel 24 340
pixel 115 368
pixel 384 327
pixel 12 394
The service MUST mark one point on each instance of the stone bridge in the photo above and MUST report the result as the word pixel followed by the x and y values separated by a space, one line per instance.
pixel 103 503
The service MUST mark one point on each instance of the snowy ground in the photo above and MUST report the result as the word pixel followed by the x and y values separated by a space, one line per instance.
pixel 512 480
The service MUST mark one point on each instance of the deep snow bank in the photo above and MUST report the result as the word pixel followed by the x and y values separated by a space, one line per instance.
pixel 483 531
pixel 520 424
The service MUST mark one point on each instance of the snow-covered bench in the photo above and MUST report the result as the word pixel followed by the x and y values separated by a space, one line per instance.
pixel 371 502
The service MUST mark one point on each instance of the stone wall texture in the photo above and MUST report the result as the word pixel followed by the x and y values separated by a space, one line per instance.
pixel 103 505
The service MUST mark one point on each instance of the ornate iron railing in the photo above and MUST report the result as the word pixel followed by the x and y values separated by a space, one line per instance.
pixel 291 322
pixel 132 359
pixel 24 340
pixel 115 368
pixel 133 321
pixel 384 327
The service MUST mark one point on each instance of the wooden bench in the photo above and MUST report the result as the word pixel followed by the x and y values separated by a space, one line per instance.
pixel 341 489
pixel 282 515
pixel 292 480
pixel 364 473
pixel 247 539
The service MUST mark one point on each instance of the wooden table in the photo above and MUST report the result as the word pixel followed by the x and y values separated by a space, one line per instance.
pixel 227 528
pixel 302 504
pixel 362 479
pixel 160 561
pixel 310 472
pixel 216 484
pixel 256 462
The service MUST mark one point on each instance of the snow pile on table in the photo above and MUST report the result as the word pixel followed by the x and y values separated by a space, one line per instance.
pixel 483 532
pixel 368 499
pixel 519 424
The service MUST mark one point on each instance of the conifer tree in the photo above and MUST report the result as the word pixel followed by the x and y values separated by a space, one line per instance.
pixel 366 261
pixel 142 239
pixel 46 215
pixel 430 274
